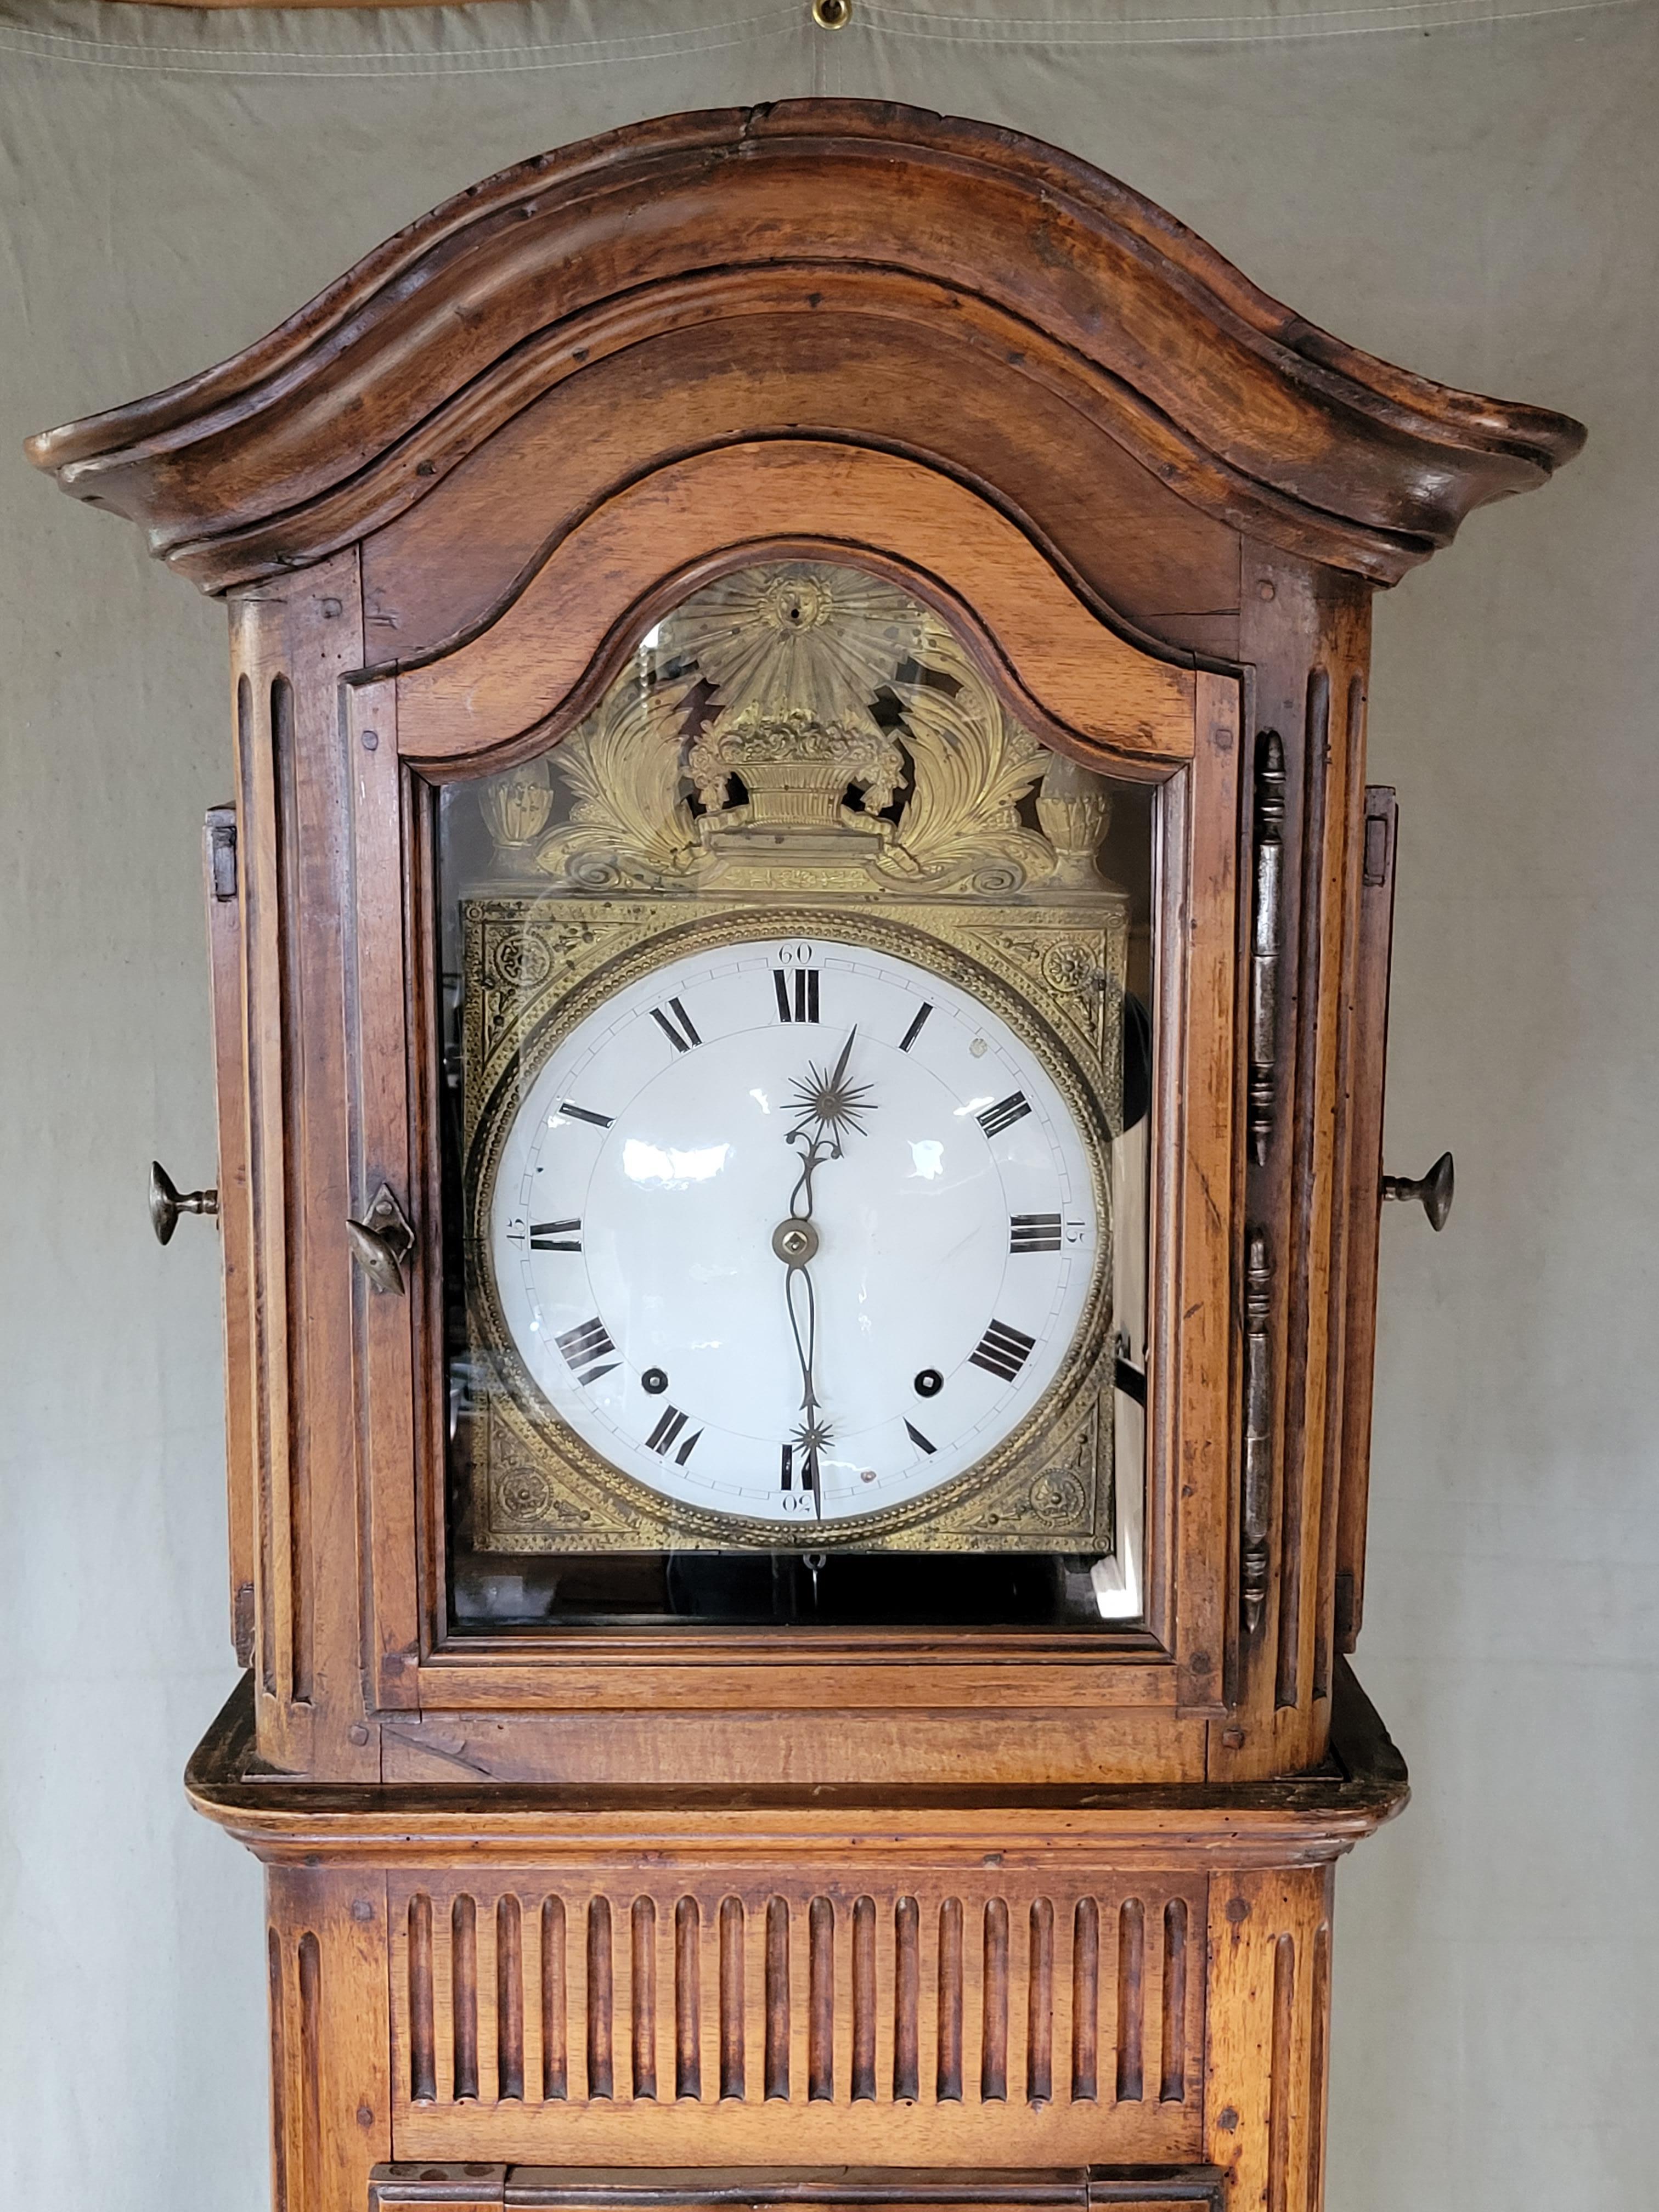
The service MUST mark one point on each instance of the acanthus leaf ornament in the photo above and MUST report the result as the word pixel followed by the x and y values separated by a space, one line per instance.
pixel 629 822
pixel 973 765
pixel 802 725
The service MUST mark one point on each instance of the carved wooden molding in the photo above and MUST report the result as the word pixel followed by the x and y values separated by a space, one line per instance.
pixel 545 658
pixel 1029 2017
pixel 1300 1818
pixel 474 2186
pixel 358 404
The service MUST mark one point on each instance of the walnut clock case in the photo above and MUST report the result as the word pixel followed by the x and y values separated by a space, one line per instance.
pixel 800 973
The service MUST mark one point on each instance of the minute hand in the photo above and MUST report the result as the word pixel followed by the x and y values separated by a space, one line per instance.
pixel 830 1107
pixel 813 1431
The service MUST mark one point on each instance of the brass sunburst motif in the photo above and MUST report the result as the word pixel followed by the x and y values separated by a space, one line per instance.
pixel 798 635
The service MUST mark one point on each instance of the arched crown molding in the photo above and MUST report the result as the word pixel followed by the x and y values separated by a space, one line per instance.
pixel 356 407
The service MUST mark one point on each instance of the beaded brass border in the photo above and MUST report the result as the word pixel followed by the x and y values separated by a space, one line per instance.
pixel 1049 1485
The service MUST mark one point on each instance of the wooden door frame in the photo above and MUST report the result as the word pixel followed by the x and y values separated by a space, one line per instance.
pixel 1062 666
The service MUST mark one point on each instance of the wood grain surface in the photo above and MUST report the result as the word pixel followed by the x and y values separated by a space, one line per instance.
pixel 543 660
pixel 1255 415
pixel 616 1923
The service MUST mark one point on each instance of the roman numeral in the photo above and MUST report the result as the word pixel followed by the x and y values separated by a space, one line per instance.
pixel 918 1439
pixel 914 1030
pixel 581 1114
pixel 675 1025
pixel 662 1439
pixel 797 993
pixel 786 1469
pixel 1003 1351
pixel 555 1236
pixel 997 1118
pixel 1034 1232
pixel 582 1347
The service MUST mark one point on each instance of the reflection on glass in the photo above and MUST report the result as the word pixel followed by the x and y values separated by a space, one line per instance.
pixel 797 1137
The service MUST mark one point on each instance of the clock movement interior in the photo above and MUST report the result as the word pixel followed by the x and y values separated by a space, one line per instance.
pixel 797 1123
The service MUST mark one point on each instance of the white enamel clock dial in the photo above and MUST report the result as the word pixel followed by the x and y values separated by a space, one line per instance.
pixel 795 1232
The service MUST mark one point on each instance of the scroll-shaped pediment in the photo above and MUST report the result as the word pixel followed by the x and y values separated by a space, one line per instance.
pixel 359 405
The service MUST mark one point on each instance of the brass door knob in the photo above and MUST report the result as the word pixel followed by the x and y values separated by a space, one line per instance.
pixel 167 1204
pixel 1433 1190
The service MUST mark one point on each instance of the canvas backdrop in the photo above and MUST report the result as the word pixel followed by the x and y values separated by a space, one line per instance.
pixel 1472 191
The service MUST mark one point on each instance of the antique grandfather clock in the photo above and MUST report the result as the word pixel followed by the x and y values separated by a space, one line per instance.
pixel 800 969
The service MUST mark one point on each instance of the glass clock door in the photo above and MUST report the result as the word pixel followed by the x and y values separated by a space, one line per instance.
pixel 795 1126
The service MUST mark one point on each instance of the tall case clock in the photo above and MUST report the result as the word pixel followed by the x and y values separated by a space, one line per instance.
pixel 799 966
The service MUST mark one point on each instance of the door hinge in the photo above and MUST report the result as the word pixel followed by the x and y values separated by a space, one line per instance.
pixel 221 851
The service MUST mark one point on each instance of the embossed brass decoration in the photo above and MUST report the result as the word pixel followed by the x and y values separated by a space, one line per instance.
pixel 800 747
pixel 629 822
pixel 536 967
pixel 777 699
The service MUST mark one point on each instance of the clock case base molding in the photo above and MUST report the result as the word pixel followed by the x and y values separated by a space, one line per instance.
pixel 472 2188
pixel 1035 1998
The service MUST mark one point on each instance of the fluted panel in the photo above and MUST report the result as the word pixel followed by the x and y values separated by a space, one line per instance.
pixel 1172 2071
pixel 948 2076
pixel 733 2069
pixel 509 1997
pixel 688 1999
pixel 1131 1999
pixel 821 2001
pixel 1036 2006
pixel 464 1995
pixel 1281 2079
pixel 1085 2000
pixel 555 2065
pixel 643 1960
pixel 601 2081
pixel 906 2001
pixel 777 1997
pixel 864 2001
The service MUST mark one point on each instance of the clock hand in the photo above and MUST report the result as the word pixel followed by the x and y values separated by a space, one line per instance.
pixel 831 1109
pixel 845 1054
pixel 831 1106
pixel 814 1432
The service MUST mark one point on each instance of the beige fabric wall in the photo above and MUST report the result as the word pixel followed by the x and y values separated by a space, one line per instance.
pixel 1475 193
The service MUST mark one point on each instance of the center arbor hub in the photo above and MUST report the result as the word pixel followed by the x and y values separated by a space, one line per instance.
pixel 795 1243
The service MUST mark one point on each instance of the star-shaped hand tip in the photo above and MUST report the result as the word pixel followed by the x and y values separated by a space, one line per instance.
pixel 825 1097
